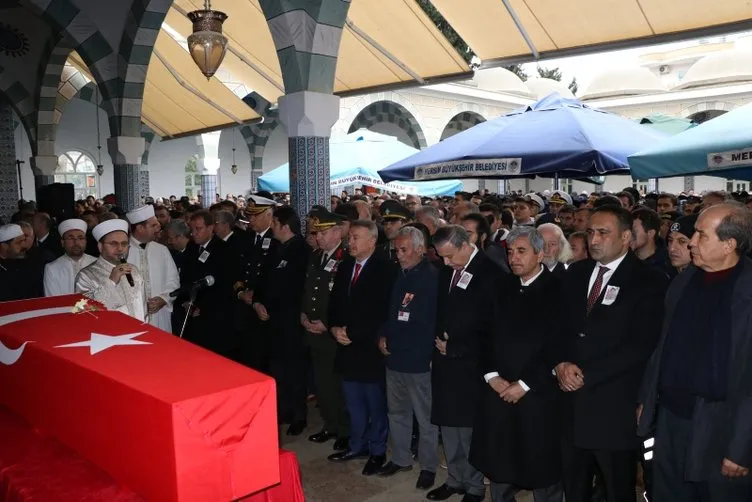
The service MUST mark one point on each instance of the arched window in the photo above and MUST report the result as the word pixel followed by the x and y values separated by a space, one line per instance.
pixel 79 169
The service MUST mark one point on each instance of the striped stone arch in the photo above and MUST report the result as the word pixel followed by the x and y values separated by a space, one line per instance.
pixel 707 106
pixel 461 122
pixel 51 102
pixel 72 23
pixel 256 137
pixel 393 113
pixel 89 94
pixel 22 102
pixel 136 45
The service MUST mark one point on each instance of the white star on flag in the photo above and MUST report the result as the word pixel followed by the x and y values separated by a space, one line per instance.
pixel 98 342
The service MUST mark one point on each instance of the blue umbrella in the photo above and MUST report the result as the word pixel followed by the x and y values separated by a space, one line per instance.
pixel 355 159
pixel 552 137
pixel 719 147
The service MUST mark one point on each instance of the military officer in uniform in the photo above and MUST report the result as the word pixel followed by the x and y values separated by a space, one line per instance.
pixel 255 346
pixel 322 267
pixel 393 217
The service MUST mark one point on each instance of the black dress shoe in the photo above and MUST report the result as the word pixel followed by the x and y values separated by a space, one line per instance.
pixel 469 497
pixel 444 492
pixel 296 428
pixel 426 479
pixel 390 469
pixel 374 465
pixel 344 456
pixel 341 444
pixel 322 437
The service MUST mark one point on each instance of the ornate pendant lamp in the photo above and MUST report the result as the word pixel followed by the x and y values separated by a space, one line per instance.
pixel 100 167
pixel 207 44
pixel 234 167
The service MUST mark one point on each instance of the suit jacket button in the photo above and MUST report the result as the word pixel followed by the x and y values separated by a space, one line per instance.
pixel 581 335
pixel 316 288
pixel 314 298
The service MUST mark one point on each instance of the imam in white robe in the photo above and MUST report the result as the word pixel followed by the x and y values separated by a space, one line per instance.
pixel 160 278
pixel 60 275
pixel 94 282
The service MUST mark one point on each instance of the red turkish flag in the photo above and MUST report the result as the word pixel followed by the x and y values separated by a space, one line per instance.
pixel 168 419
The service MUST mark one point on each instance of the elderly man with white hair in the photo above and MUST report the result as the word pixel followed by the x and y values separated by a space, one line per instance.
pixel 557 252
pixel 60 275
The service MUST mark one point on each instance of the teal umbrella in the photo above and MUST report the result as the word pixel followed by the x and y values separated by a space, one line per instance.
pixel 355 160
pixel 719 147
pixel 666 123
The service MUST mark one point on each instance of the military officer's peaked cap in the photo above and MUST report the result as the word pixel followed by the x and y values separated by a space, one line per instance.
pixel 257 205
pixel 321 219
pixel 391 209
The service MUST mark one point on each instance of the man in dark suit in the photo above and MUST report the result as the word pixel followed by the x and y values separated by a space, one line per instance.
pixel 698 384
pixel 468 292
pixel 47 237
pixel 275 305
pixel 256 346
pixel 224 228
pixel 615 309
pixel 178 239
pixel 516 437
pixel 209 324
pixel 358 307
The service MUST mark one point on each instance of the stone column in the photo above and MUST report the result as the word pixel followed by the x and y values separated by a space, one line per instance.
pixel 208 165
pixel 9 192
pixel 689 183
pixel 308 118
pixel 143 173
pixel 43 167
pixel 126 152
pixel 527 186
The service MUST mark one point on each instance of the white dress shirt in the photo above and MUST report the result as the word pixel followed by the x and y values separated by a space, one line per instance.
pixel 606 276
pixel 488 376
pixel 362 265
pixel 227 237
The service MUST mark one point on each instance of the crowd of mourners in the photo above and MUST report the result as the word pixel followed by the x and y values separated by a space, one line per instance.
pixel 592 347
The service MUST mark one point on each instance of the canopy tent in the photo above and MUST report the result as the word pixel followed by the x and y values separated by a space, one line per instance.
pixel 719 147
pixel 355 159
pixel 552 137
pixel 503 32
pixel 384 43
pixel 666 123
pixel 393 43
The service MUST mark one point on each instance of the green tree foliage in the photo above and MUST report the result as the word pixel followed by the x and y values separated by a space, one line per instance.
pixel 552 73
pixel 573 85
pixel 446 29
pixel 517 70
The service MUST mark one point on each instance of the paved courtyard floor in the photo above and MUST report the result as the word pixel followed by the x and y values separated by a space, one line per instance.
pixel 324 481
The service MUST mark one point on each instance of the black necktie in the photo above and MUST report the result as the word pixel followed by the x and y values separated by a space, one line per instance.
pixel 325 259
pixel 258 239
pixel 142 245
pixel 201 250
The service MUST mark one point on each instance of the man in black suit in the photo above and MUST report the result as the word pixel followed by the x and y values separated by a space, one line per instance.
pixel 468 292
pixel 516 437
pixel 178 238
pixel 256 346
pixel 276 303
pixel 615 309
pixel 209 324
pixel 224 228
pixel 358 306
pixel 47 237
pixel 698 384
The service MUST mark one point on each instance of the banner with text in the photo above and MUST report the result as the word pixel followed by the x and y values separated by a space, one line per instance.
pixel 469 169
pixel 733 158
pixel 374 182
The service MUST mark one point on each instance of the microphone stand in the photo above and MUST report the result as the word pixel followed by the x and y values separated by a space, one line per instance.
pixel 194 294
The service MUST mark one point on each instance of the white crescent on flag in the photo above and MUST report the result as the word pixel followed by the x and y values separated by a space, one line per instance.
pixel 11 356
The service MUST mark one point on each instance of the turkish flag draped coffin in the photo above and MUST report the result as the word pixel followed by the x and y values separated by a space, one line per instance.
pixel 167 419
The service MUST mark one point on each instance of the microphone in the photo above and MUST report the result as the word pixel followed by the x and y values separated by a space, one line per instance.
pixel 195 287
pixel 128 275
